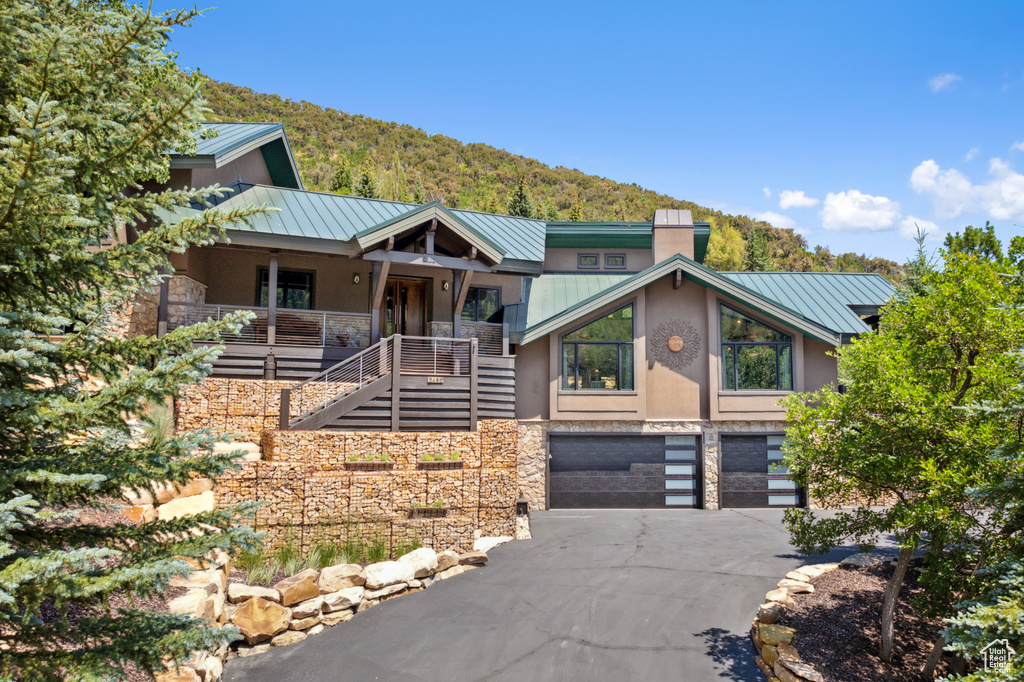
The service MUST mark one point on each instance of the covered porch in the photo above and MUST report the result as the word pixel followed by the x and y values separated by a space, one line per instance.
pixel 424 274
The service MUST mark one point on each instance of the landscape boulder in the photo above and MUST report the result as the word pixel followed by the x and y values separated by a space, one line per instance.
pixel 240 592
pixel 347 598
pixel 259 620
pixel 446 560
pixel 473 559
pixel 186 506
pixel 387 573
pixel 299 587
pixel 305 609
pixel 796 586
pixel 340 577
pixel 423 561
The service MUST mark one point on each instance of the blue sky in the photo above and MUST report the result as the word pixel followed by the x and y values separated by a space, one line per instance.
pixel 848 122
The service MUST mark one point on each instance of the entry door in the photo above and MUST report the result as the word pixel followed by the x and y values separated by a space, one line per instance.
pixel 403 308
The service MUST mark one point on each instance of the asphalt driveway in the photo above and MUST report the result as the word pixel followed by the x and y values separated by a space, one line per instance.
pixel 597 595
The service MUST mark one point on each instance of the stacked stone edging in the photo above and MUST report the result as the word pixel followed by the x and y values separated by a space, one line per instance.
pixel 777 658
pixel 300 605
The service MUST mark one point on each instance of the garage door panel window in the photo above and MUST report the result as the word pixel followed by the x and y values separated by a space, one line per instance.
pixel 755 357
pixel 599 356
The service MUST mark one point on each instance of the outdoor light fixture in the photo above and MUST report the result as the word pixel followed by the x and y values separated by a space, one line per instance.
pixel 445 285
pixel 355 278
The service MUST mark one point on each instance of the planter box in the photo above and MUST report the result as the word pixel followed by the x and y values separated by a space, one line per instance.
pixel 440 464
pixel 370 466
pixel 428 512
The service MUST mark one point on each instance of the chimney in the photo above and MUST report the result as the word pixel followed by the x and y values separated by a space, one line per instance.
pixel 672 234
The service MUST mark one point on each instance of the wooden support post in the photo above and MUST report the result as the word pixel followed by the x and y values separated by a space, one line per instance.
pixel 431 231
pixel 474 377
pixel 396 384
pixel 272 301
pixel 677 278
pixel 161 309
pixel 380 280
pixel 460 289
pixel 286 408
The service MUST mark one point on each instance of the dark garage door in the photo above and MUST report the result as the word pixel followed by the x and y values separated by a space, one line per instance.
pixel 631 471
pixel 749 478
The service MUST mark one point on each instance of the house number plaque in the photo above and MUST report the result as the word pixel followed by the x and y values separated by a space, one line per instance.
pixel 435 380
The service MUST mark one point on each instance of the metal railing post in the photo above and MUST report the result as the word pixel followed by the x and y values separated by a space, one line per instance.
pixel 396 382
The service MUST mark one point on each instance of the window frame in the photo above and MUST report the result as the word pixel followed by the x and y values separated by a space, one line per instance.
pixel 609 266
pixel 575 388
pixel 581 266
pixel 777 346
pixel 474 294
pixel 266 269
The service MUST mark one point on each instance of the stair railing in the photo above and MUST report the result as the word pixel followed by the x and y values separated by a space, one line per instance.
pixel 336 381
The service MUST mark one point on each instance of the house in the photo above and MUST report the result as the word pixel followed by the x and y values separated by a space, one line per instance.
pixel 638 376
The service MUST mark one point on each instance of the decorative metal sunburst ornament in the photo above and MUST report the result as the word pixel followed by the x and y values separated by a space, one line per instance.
pixel 675 344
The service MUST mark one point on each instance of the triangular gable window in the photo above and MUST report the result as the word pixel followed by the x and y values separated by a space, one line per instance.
pixel 755 357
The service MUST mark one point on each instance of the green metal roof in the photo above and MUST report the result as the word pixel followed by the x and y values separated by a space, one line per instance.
pixel 824 297
pixel 616 235
pixel 326 222
pixel 530 330
pixel 233 140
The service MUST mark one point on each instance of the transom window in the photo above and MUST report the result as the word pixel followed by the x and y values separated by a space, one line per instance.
pixel 755 357
pixel 294 289
pixel 615 261
pixel 599 356
pixel 482 305
pixel 588 261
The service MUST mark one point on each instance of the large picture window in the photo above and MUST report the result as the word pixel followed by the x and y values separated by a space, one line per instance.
pixel 294 289
pixel 755 357
pixel 482 305
pixel 599 356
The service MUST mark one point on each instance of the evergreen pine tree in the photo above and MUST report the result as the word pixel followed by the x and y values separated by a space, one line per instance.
pixel 419 195
pixel 576 212
pixel 551 213
pixel 368 185
pixel 78 139
pixel 341 183
pixel 520 203
pixel 757 258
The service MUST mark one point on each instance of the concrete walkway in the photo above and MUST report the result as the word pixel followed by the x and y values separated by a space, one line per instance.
pixel 597 595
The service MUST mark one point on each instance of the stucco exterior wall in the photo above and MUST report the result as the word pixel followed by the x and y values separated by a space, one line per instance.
pixel 566 260
pixel 250 168
pixel 676 392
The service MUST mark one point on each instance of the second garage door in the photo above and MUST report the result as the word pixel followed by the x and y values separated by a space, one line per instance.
pixel 624 471
pixel 753 475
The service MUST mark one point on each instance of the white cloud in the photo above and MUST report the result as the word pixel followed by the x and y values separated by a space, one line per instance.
pixel 1017 146
pixel 972 152
pixel 909 225
pixel 767 192
pixel 789 198
pixel 944 81
pixel 855 211
pixel 953 194
pixel 776 219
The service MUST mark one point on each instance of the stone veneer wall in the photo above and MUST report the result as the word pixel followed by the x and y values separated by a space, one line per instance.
pixel 313 492
pixel 533 447
pixel 141 317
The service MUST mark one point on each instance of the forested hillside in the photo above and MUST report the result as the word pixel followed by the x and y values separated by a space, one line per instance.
pixel 349 153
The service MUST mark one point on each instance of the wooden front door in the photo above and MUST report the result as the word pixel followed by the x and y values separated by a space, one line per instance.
pixel 403 309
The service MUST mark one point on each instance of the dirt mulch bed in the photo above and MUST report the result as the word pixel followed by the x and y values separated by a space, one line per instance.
pixel 837 627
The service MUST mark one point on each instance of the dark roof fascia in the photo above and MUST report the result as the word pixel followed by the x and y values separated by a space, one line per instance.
pixel 383 230
pixel 598 235
pixel 291 158
pixel 701 237
pixel 701 275
pixel 520 267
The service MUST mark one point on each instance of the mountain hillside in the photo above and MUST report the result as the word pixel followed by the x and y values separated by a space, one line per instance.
pixel 349 153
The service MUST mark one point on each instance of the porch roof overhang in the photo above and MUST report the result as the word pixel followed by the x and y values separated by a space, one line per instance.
pixel 531 330
pixel 434 211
